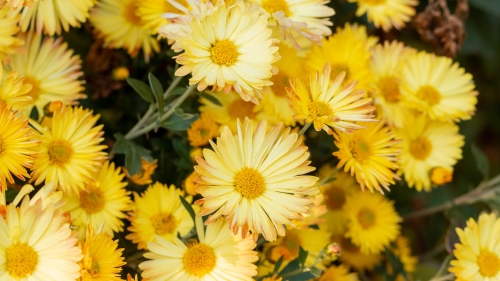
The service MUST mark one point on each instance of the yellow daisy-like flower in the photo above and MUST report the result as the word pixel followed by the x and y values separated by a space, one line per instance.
pixel 51 69
pixel 335 192
pixel 70 151
pixel 386 13
pixel 151 12
pixel 202 130
pixel 478 253
pixel 446 95
pixel 348 50
pixel 353 257
pixel 102 260
pixel 144 175
pixel 338 273
pixel 14 92
pixel 256 180
pixel 103 202
pixel 329 105
pixel 127 31
pixel 386 64
pixel 372 221
pixel 158 213
pixel 17 146
pixel 230 108
pixel 369 154
pixel 8 42
pixel 14 4
pixel 308 18
pixel 37 244
pixel 227 48
pixel 429 144
pixel 53 16
pixel 219 255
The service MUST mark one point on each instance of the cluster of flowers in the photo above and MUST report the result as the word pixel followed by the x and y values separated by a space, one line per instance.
pixel 268 65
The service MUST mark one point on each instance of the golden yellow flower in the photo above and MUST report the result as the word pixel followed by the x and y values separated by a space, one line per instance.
pixel 256 180
pixel 446 95
pixel 428 145
pixel 53 16
pixel 51 69
pixel 478 255
pixel 190 185
pixel 373 222
pixel 386 13
pixel 226 48
pixel 151 12
pixel 144 175
pixel 70 151
pixel 17 146
pixel 338 273
pixel 14 92
pixel 9 44
pixel 329 105
pixel 353 257
pixel 127 31
pixel 202 130
pixel 158 213
pixel 219 255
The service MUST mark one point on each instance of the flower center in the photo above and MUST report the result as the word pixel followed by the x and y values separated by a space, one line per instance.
pixel 60 152
pixel 241 109
pixel 249 183
pixel 21 260
pixel 199 260
pixel 319 109
pixel 163 223
pixel 92 201
pixel 337 69
pixel 429 94
pixel 373 2
pixel 366 218
pixel 34 93
pixel 276 252
pixel 129 12
pixel 360 150
pixel 224 53
pixel 2 147
pixel 280 81
pixel 389 88
pixel 273 6
pixel 334 198
pixel 421 148
pixel 489 263
pixel 440 175
pixel 95 269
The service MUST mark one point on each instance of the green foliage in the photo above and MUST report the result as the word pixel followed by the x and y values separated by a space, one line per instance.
pixel 179 121
pixel 157 90
pixel 188 207
pixel 481 160
pixel 142 89
pixel 133 153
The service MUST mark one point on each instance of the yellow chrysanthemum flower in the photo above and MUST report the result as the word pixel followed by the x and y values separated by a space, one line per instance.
pixel 227 48
pixel 386 13
pixel 307 18
pixel 219 255
pixel 158 212
pixel 373 222
pixel 144 175
pixel 70 151
pixel 127 31
pixel 348 50
pixel 329 105
pixel 102 260
pixel 386 64
pixel 370 154
pixel 478 253
pixel 338 273
pixel 8 42
pixel 17 146
pixel 36 243
pixel 256 180
pixel 446 95
pixel 14 4
pixel 14 92
pixel 230 108
pixel 51 69
pixel 335 192
pixel 427 145
pixel 353 257
pixel 202 130
pixel 151 12
pixel 401 249
pixel 103 202
pixel 53 16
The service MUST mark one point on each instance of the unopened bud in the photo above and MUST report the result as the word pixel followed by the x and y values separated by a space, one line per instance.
pixel 276 252
pixel 333 251
pixel 66 217
pixel 50 108
pixel 120 73
pixel 440 175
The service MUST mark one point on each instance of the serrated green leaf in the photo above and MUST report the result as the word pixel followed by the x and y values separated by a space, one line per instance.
pixel 278 265
pixel 142 89
pixel 133 154
pixel 177 123
pixel 188 207
pixel 481 160
pixel 211 98
pixel 302 256
pixel 157 92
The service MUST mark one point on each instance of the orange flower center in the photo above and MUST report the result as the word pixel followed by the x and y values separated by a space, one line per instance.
pixel 199 260
pixel 241 109
pixel 334 198
pixel 164 223
pixel 60 152
pixel 319 109
pixel 21 260
pixel 273 6
pixel 34 93
pixel 366 218
pixel 389 88
pixel 421 148
pixel 130 14
pixel 92 201
pixel 360 150
pixel 489 263
pixel 249 183
pixel 224 53
pixel 429 94
pixel 280 81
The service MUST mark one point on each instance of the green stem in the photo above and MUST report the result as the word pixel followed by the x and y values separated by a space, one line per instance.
pixel 304 129
pixel 447 277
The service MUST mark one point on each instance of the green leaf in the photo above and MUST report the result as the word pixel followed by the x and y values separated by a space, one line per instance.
pixel 397 265
pixel 489 6
pixel 300 277
pixel 211 98
pixel 481 160
pixel 278 265
pixel 302 256
pixel 157 92
pixel 142 89
pixel 133 153
pixel 188 207
pixel 178 123
pixel 316 271
pixel 291 266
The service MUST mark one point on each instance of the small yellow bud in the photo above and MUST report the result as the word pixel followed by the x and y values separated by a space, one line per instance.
pixel 440 176
pixel 333 251
pixel 50 108
pixel 144 176
pixel 197 151
pixel 276 252
pixel 120 73
pixel 190 185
